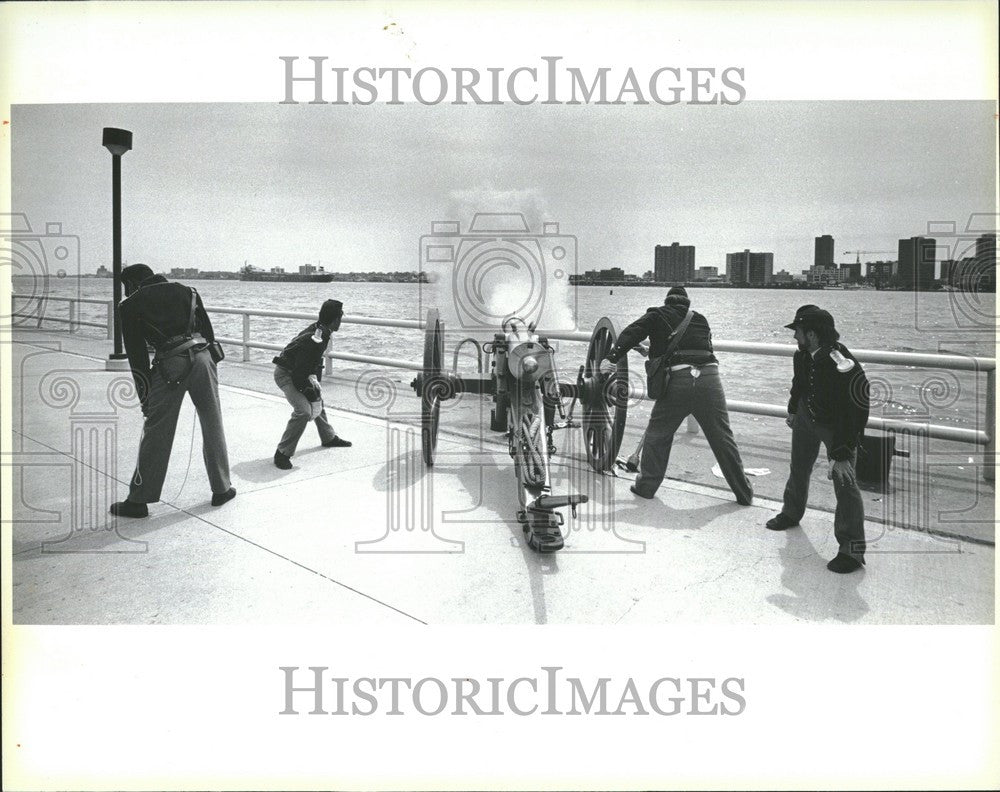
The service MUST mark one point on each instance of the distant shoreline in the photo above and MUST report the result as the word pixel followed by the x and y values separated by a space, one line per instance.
pixel 597 284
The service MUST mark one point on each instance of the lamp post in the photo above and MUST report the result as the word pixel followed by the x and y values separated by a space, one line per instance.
pixel 117 141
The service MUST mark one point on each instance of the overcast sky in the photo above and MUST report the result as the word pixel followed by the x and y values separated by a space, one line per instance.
pixel 355 187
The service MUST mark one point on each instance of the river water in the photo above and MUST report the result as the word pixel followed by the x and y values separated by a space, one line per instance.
pixel 957 323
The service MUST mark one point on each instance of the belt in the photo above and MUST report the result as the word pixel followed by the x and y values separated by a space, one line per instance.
pixel 683 366
pixel 177 344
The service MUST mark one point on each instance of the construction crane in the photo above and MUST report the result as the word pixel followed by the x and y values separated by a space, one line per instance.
pixel 859 253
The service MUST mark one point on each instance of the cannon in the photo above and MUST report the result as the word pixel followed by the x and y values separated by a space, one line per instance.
pixel 528 406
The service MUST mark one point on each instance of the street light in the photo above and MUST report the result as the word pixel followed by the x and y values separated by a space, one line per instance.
pixel 117 141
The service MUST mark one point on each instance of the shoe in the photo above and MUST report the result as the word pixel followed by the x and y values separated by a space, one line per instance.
pixel 780 523
pixel 126 508
pixel 844 563
pixel 634 491
pixel 745 501
pixel 281 461
pixel 336 442
pixel 219 498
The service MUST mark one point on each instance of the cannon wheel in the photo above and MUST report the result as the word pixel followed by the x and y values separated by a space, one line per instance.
pixel 605 409
pixel 430 397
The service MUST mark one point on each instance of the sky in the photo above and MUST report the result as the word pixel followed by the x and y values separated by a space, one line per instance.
pixel 355 187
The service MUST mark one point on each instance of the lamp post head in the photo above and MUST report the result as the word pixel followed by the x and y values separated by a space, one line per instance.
pixel 117 141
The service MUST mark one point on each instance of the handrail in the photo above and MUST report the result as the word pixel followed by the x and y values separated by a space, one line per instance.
pixel 53 298
pixel 370 359
pixel 406 324
pixel 915 359
pixel 911 359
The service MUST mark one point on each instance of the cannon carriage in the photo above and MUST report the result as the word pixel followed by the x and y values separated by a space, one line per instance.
pixel 529 405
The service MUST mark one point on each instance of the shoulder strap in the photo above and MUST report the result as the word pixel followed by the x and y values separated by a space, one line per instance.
pixel 678 334
pixel 194 304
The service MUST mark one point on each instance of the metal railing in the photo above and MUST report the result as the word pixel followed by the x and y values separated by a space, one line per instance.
pixel 976 365
pixel 73 320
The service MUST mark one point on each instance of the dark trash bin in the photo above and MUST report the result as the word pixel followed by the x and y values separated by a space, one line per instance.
pixel 875 458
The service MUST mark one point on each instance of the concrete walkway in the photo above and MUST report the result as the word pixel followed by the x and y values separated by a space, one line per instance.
pixel 367 534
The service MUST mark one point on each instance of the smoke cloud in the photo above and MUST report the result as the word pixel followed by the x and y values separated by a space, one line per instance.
pixel 520 266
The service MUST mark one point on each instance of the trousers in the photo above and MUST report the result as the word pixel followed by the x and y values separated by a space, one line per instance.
pixel 303 411
pixel 704 398
pixel 849 518
pixel 163 405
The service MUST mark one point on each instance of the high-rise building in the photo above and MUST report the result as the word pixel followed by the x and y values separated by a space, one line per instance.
pixel 755 269
pixel 986 260
pixel 950 269
pixel 673 263
pixel 916 263
pixel 986 247
pixel 738 267
pixel 824 251
pixel 761 268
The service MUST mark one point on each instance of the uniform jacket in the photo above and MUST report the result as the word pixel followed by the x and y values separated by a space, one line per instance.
pixel 158 310
pixel 304 357
pixel 657 324
pixel 835 400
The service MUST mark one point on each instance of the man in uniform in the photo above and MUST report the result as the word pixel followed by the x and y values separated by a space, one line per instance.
pixel 158 313
pixel 828 405
pixel 298 371
pixel 695 388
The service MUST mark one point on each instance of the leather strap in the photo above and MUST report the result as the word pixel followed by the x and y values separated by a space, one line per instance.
pixel 194 304
pixel 678 334
pixel 191 319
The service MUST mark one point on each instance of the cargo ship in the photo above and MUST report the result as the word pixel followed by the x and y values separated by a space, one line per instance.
pixel 307 274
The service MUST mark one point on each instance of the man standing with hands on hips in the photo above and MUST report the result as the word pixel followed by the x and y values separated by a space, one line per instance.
pixel 297 371
pixel 829 405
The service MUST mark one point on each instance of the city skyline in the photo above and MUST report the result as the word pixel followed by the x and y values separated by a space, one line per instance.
pixel 212 186
pixel 941 260
pixel 665 255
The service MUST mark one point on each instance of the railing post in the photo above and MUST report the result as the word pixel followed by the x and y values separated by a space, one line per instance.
pixel 111 320
pixel 328 364
pixel 246 338
pixel 692 425
pixel 72 316
pixel 42 305
pixel 990 450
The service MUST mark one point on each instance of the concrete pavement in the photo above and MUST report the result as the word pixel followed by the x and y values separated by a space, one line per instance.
pixel 369 535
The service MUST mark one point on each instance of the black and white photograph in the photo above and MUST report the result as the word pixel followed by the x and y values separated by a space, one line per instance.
pixel 401 386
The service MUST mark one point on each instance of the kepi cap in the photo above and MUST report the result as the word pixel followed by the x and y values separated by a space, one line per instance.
pixel 811 316
pixel 136 273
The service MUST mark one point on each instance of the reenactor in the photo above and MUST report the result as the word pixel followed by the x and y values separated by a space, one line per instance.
pixel 170 318
pixel 829 405
pixel 298 371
